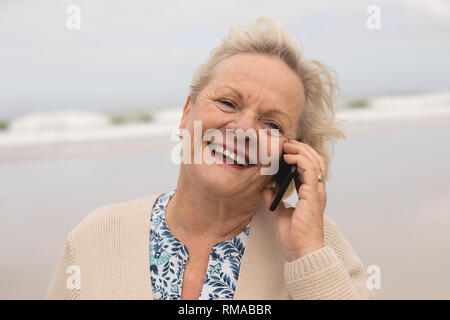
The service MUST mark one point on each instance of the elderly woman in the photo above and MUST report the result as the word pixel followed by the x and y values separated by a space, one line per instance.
pixel 213 237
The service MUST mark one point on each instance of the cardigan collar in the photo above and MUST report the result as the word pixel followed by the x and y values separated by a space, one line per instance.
pixel 257 277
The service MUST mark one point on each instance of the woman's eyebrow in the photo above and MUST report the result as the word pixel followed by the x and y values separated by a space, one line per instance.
pixel 278 112
pixel 237 92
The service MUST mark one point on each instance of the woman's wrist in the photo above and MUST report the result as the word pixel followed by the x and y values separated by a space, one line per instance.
pixel 294 255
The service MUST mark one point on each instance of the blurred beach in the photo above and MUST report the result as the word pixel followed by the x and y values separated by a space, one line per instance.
pixel 389 188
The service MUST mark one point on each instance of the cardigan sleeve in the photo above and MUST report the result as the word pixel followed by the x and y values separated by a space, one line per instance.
pixel 65 284
pixel 333 272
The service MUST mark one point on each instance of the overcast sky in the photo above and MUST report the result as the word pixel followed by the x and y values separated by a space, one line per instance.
pixel 136 54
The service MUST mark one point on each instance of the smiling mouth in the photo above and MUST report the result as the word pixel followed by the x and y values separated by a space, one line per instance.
pixel 229 156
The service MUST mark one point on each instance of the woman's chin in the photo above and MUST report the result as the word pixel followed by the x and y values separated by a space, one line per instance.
pixel 218 181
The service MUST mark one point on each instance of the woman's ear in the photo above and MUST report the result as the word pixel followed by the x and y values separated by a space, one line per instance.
pixel 186 111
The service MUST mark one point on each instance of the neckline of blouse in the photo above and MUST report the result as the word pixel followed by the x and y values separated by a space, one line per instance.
pixel 163 226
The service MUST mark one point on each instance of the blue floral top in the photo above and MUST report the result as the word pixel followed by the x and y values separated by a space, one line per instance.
pixel 168 258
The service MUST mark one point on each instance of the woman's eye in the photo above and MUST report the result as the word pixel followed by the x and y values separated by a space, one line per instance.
pixel 227 103
pixel 274 126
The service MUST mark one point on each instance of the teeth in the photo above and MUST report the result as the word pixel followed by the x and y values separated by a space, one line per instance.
pixel 232 155
pixel 240 160
pixel 219 149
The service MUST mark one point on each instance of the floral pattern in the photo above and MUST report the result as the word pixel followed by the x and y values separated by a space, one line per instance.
pixel 168 258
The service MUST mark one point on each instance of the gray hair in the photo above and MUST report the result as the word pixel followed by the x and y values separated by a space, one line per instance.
pixel 318 126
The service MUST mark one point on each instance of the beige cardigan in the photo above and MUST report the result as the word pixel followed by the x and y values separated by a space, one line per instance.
pixel 110 247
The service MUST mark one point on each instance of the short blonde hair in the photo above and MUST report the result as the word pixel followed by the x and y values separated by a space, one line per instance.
pixel 317 125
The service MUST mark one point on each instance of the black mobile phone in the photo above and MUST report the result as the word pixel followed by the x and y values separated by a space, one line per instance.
pixel 283 178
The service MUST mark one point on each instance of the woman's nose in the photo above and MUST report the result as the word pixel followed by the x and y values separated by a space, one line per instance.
pixel 245 121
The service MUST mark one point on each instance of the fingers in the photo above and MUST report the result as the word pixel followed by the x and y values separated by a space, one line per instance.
pixel 309 163
pixel 310 169
pixel 294 146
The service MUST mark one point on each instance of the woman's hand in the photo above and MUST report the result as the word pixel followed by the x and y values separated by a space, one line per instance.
pixel 300 231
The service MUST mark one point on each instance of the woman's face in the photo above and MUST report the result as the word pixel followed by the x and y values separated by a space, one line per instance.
pixel 248 91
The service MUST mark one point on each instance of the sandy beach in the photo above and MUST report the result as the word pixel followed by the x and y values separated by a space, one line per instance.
pixel 388 193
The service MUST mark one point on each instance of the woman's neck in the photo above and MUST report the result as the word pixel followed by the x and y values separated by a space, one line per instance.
pixel 194 214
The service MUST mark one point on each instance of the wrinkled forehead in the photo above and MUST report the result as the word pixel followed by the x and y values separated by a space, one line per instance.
pixel 267 71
